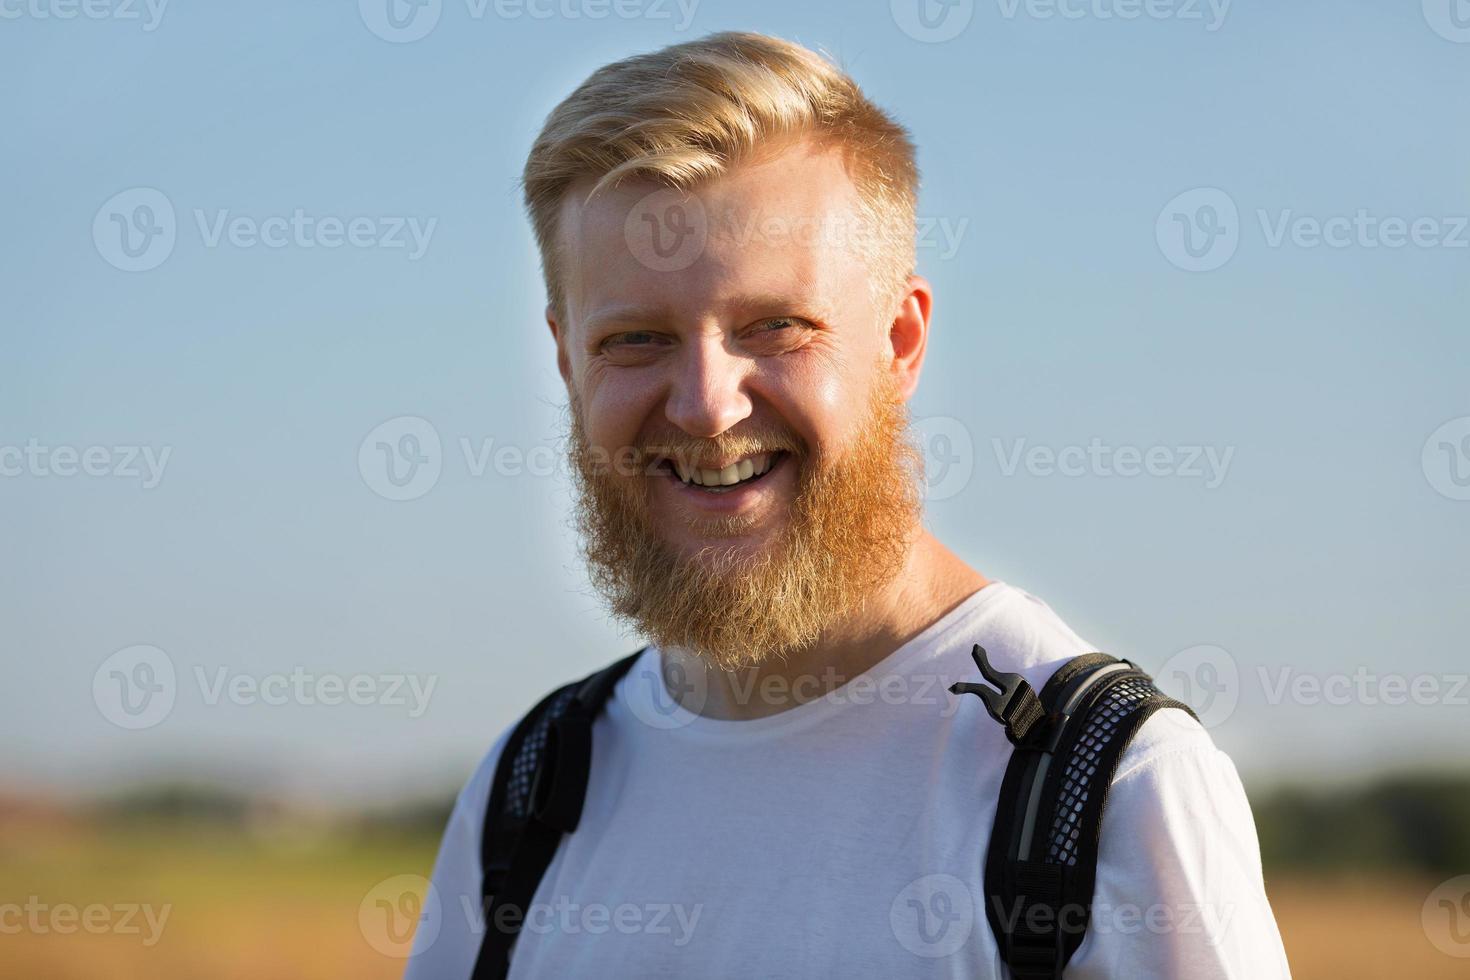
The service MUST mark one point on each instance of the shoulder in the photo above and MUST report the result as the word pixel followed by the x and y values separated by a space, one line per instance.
pixel 1170 776
pixel 474 795
pixel 1180 890
pixel 524 737
pixel 1020 633
pixel 450 949
pixel 455 888
pixel 1169 739
pixel 1174 780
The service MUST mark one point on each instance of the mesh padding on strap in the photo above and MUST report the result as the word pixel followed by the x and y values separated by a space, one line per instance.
pixel 528 758
pixel 1104 723
pixel 1055 811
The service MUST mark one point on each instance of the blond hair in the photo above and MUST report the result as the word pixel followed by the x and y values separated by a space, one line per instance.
pixel 689 112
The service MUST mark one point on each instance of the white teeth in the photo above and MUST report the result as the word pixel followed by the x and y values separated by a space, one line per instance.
pixel 728 476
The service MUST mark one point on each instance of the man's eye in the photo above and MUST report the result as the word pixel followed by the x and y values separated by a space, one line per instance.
pixel 779 323
pixel 631 338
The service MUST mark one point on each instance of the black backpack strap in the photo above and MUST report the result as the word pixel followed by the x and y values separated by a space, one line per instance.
pixel 540 784
pixel 1042 861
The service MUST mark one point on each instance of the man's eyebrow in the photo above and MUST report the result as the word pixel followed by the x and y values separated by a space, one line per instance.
pixel 743 304
pixel 801 304
pixel 623 313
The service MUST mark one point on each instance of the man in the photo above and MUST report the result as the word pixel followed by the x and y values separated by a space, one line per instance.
pixel 781 785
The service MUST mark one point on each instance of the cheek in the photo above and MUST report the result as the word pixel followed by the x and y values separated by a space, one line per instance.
pixel 615 406
pixel 817 400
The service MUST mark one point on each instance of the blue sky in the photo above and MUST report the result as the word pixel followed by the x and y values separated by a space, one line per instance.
pixel 1310 337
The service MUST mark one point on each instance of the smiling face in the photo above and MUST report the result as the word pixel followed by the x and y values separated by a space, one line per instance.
pixel 737 402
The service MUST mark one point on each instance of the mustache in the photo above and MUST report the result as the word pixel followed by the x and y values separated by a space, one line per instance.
pixel 694 451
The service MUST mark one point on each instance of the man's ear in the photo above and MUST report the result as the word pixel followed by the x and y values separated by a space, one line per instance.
pixel 908 334
pixel 558 334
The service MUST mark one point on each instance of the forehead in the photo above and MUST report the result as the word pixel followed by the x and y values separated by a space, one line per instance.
pixel 788 228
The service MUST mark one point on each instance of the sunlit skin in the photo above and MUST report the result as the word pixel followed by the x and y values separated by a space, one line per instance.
pixel 772 334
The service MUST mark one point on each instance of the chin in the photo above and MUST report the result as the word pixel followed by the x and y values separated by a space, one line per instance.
pixel 740 539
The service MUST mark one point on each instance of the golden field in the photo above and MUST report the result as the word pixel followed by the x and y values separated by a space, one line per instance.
pixel 266 902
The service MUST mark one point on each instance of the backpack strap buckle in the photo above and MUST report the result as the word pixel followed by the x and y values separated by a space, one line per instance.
pixel 1010 701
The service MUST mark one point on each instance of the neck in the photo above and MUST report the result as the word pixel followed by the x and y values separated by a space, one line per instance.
pixel 933 580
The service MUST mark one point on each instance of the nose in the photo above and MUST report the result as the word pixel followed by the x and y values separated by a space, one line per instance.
pixel 707 396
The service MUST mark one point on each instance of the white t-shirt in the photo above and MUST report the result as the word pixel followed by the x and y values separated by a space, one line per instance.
pixel 846 837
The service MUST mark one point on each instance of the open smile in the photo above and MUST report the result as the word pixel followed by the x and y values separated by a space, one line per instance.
pixel 735 475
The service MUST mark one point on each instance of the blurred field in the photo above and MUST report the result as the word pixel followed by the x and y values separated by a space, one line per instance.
pixel 264 902
pixel 1358 927
pixel 240 907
